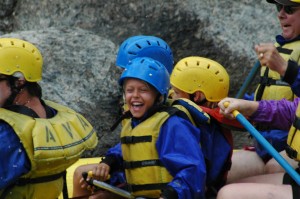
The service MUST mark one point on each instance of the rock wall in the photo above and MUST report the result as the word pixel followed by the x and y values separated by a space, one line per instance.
pixel 79 41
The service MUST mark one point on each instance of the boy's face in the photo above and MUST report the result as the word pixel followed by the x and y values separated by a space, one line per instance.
pixel 179 94
pixel 139 96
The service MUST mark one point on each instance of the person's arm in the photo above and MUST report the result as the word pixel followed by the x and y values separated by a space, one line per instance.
pixel 288 70
pixel 245 107
pixel 179 150
pixel 277 113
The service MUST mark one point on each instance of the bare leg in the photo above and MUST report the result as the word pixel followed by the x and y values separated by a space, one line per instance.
pixel 257 187
pixel 273 166
pixel 255 191
pixel 245 164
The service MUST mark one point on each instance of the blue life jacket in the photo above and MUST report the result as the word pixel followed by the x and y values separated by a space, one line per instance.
pixel 216 147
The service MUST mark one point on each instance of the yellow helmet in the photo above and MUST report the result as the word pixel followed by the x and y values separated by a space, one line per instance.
pixel 297 1
pixel 193 74
pixel 17 55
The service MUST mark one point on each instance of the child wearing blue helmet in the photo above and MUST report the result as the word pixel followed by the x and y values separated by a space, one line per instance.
pixel 154 140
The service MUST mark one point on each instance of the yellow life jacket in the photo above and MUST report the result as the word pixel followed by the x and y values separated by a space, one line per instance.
pixel 293 141
pixel 271 87
pixel 145 174
pixel 52 145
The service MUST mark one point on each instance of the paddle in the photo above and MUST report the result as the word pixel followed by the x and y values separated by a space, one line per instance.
pixel 249 127
pixel 106 186
pixel 248 80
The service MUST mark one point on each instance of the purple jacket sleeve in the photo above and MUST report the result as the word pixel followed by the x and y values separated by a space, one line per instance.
pixel 277 113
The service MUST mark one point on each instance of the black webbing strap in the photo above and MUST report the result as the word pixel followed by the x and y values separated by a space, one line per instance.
pixel 65 187
pixel 261 87
pixel 144 163
pixel 296 123
pixel 292 153
pixel 135 139
pixel 25 181
pixel 284 50
pixel 134 188
pixel 269 81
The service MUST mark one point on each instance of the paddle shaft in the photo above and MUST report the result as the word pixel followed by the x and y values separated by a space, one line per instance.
pixel 105 186
pixel 248 80
pixel 287 167
pixel 112 189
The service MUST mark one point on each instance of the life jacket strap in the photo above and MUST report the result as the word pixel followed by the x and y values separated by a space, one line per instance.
pixel 296 123
pixel 144 163
pixel 25 181
pixel 267 81
pixel 135 139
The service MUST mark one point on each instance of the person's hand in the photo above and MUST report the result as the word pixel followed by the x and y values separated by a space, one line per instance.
pixel 101 172
pixel 269 56
pixel 245 107
pixel 85 185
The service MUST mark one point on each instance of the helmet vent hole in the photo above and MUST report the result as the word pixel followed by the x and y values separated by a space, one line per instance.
pixel 158 43
pixel 1 46
pixel 208 66
pixel 152 67
pixel 12 43
pixel 131 53
pixel 138 46
pixel 221 80
pixel 217 72
pixel 186 64
pixel 33 51
pixel 198 63
pixel 149 43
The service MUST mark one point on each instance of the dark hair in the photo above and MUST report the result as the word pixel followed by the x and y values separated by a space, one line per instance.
pixel 34 89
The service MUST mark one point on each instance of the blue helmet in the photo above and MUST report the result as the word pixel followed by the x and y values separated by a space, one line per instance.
pixel 150 71
pixel 145 46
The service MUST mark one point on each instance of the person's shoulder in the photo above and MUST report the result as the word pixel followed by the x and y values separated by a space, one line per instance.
pixel 5 127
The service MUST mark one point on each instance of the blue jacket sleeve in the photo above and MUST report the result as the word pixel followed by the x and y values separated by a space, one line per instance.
pixel 14 162
pixel 113 156
pixel 179 150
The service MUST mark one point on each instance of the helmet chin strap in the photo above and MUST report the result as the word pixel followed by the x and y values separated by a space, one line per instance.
pixel 14 91
pixel 200 103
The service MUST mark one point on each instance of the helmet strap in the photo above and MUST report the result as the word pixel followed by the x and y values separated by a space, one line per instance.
pixel 201 102
pixel 15 90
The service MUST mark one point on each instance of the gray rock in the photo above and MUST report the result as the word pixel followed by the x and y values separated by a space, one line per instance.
pixel 79 41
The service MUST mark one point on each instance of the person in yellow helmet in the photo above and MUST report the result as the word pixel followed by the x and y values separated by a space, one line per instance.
pixel 206 82
pixel 39 139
